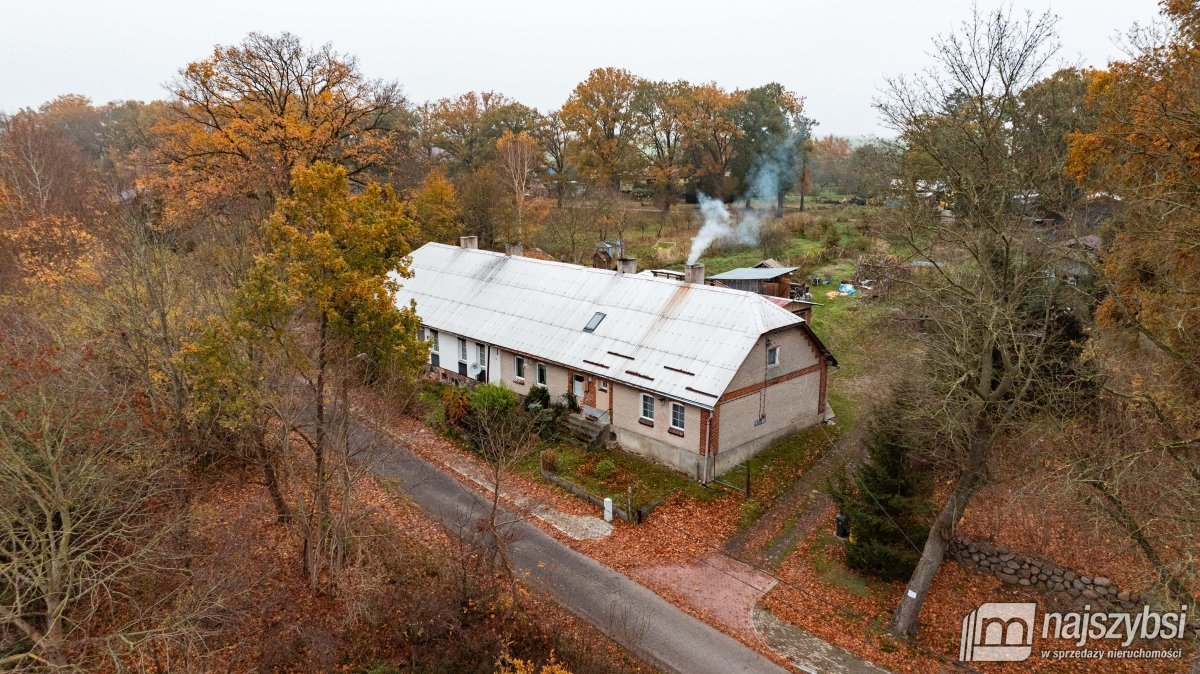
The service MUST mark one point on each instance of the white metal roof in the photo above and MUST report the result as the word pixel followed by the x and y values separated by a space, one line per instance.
pixel 753 273
pixel 540 308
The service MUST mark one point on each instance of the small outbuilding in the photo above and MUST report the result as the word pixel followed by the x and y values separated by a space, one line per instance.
pixel 774 281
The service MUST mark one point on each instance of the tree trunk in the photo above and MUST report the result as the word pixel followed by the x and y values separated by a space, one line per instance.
pixel 1119 514
pixel 53 642
pixel 319 449
pixel 779 202
pixel 283 514
pixel 969 482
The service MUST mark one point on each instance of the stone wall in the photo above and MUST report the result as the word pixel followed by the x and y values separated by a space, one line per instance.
pixel 1068 585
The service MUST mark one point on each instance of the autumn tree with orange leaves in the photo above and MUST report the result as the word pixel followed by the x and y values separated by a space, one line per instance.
pixel 434 208
pixel 242 119
pixel 50 202
pixel 462 132
pixel 1144 154
pixel 600 114
pixel 712 138
pixel 661 110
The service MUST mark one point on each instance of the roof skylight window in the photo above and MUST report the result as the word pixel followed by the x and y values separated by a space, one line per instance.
pixel 594 323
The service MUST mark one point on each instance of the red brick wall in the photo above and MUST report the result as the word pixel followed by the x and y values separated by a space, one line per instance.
pixel 710 430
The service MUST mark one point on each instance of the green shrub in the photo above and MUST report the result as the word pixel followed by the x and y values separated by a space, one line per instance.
pixel 537 398
pixel 492 399
pixel 605 469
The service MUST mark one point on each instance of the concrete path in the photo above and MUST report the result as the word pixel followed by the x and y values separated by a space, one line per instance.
pixel 629 613
pixel 719 587
pixel 804 650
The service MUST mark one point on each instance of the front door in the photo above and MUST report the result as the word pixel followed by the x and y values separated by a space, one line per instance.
pixel 577 386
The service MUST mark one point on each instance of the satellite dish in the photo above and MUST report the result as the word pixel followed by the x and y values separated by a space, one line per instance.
pixel 474 369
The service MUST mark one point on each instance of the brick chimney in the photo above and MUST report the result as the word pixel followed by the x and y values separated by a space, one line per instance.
pixel 468 242
pixel 514 249
pixel 694 273
pixel 627 265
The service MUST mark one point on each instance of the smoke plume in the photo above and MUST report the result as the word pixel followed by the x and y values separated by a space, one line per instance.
pixel 771 172
pixel 739 226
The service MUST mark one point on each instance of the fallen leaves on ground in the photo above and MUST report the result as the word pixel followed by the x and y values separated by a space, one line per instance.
pixel 809 600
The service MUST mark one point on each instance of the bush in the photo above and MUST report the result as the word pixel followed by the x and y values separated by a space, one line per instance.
pixel 550 460
pixel 550 414
pixel 605 469
pixel 537 398
pixel 572 402
pixel 886 501
pixel 492 399
pixel 486 406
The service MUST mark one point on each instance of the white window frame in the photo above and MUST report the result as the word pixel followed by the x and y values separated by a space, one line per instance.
pixel 646 397
pixel 433 339
pixel 481 353
pixel 541 376
pixel 603 386
pixel 462 350
pixel 519 367
pixel 774 350
pixel 682 416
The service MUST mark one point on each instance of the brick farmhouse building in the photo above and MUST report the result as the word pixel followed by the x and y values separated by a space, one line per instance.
pixel 696 377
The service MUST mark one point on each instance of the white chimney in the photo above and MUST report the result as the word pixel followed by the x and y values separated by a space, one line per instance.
pixel 694 273
pixel 627 265
pixel 514 249
pixel 468 242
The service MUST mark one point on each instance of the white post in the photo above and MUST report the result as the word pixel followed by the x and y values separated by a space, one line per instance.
pixel 607 509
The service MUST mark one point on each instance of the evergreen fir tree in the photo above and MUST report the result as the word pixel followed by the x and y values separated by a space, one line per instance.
pixel 886 501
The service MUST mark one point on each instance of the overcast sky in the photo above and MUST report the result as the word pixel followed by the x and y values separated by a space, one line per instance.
pixel 835 54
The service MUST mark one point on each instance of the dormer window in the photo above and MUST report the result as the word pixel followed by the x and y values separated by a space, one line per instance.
pixel 594 323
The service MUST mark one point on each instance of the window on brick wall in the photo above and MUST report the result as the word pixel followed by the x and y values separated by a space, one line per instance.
pixel 647 407
pixel 541 374
pixel 519 367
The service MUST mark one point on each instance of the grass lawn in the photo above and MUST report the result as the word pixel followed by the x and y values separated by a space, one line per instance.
pixel 649 481
pixel 846 325
pixel 718 260
pixel 831 569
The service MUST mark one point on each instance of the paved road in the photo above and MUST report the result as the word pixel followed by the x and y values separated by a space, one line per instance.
pixel 625 610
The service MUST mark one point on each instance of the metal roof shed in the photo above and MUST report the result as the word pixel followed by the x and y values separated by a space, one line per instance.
pixel 762 280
